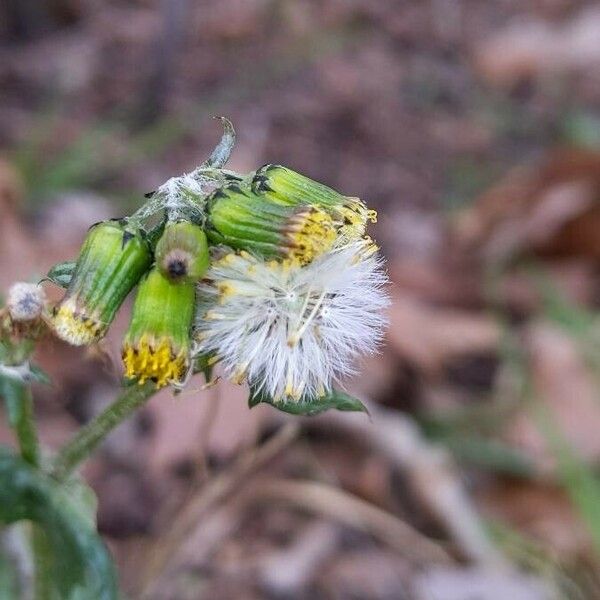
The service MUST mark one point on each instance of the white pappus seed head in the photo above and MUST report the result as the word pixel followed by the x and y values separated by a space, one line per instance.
pixel 25 301
pixel 292 330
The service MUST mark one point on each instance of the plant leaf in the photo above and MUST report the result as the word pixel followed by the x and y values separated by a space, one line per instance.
pixel 80 563
pixel 204 364
pixel 308 406
pixel 38 375
pixel 61 274
pixel 83 498
pixel 9 584
pixel 22 374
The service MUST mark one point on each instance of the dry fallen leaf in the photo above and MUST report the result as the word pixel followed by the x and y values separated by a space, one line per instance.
pixel 429 337
pixel 532 48
pixel 564 384
pixel 551 208
pixel 543 512
pixel 469 583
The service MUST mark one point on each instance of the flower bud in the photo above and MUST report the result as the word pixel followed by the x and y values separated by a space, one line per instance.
pixel 182 252
pixel 287 187
pixel 157 343
pixel 111 261
pixel 25 301
pixel 244 220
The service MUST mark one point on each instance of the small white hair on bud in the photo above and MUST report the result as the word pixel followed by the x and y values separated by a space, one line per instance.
pixel 292 331
pixel 25 301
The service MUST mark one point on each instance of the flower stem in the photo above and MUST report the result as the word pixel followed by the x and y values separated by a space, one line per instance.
pixel 89 436
pixel 42 558
pixel 20 401
pixel 19 408
pixel 24 426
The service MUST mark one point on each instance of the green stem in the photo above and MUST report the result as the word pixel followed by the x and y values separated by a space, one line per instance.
pixel 25 427
pixel 89 436
pixel 42 558
pixel 20 408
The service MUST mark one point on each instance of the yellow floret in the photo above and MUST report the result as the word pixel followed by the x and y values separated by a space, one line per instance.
pixel 155 360
pixel 75 327
pixel 316 236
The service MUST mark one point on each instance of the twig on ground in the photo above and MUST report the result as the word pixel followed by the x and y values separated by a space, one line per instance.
pixel 201 541
pixel 432 474
pixel 285 572
pixel 215 490
pixel 353 511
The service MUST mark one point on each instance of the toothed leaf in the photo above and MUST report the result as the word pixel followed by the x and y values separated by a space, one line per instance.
pixel 308 406
pixel 81 565
pixel 38 375
pixel 61 274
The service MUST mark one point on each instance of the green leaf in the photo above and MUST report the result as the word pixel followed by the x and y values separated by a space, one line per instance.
pixel 204 364
pixel 61 274
pixel 308 406
pixel 9 584
pixel 80 563
pixel 5 349
pixel 38 375
pixel 83 498
pixel 11 389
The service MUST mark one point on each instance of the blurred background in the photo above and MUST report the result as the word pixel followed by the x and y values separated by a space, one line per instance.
pixel 474 129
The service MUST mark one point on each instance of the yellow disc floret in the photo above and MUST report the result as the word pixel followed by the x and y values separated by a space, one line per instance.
pixel 156 360
pixel 279 184
pixel 157 343
pixel 112 259
pixel 316 234
pixel 75 327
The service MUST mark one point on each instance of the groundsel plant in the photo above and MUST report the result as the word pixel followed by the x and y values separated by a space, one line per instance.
pixel 269 275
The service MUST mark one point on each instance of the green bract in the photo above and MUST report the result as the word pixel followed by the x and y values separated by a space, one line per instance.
pixel 157 343
pixel 282 185
pixel 242 219
pixel 112 260
pixel 182 252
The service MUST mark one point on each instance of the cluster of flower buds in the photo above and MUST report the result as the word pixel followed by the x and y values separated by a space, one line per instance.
pixel 271 274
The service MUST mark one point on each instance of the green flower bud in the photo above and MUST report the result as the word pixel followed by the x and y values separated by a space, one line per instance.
pixel 182 252
pixel 111 261
pixel 157 343
pixel 284 186
pixel 244 220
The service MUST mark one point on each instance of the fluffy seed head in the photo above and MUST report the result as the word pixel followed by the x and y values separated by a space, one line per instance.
pixel 292 330
pixel 25 301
